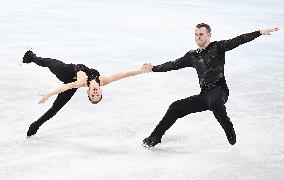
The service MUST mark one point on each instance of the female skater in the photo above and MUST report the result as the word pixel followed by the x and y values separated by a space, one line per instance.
pixel 73 76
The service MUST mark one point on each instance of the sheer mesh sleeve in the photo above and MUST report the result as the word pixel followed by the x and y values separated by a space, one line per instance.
pixel 230 44
pixel 179 63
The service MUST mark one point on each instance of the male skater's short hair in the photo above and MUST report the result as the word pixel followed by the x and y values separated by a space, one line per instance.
pixel 95 102
pixel 204 25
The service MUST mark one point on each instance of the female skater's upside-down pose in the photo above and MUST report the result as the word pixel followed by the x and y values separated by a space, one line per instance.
pixel 73 76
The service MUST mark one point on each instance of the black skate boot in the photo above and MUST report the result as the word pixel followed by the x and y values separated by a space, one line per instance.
pixel 28 57
pixel 150 142
pixel 33 128
pixel 231 136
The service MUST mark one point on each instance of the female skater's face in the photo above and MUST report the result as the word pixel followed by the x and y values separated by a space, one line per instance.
pixel 95 93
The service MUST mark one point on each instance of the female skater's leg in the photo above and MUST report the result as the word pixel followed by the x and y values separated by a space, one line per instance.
pixel 60 101
pixel 64 72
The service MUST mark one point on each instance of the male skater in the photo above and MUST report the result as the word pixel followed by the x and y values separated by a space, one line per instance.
pixel 209 61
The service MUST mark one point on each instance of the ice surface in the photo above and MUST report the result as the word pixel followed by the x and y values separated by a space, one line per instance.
pixel 85 141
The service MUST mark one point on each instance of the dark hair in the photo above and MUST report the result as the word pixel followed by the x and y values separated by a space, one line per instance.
pixel 95 102
pixel 204 25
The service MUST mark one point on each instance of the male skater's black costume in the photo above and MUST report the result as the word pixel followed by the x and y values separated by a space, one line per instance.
pixel 64 72
pixel 209 64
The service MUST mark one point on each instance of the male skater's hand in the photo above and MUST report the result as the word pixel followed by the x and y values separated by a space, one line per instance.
pixel 268 31
pixel 44 98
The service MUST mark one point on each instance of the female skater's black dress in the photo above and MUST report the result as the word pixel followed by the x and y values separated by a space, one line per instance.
pixel 66 73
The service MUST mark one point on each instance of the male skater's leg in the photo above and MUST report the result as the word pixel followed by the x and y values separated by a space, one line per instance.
pixel 216 103
pixel 177 109
pixel 220 114
pixel 60 101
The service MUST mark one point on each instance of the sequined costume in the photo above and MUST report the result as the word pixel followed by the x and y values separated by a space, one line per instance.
pixel 209 64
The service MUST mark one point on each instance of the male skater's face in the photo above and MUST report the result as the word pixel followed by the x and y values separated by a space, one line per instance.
pixel 202 37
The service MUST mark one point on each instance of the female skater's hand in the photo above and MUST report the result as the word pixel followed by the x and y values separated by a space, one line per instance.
pixel 44 98
pixel 268 31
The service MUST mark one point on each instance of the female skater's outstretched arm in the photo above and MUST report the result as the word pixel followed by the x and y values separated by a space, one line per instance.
pixel 106 79
pixel 82 81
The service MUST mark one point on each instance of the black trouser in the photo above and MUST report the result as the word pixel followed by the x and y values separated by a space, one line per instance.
pixel 65 73
pixel 213 99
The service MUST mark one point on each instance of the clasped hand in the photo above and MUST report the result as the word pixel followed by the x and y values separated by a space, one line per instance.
pixel 147 67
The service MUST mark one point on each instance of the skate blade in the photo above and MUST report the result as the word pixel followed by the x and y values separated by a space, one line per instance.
pixel 145 146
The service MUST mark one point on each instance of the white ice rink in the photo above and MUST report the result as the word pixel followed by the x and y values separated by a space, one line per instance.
pixel 103 142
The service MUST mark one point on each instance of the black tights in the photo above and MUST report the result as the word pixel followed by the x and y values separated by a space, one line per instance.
pixel 213 99
pixel 65 73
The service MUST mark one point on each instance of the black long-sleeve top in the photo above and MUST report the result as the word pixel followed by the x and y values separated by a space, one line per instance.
pixel 209 63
